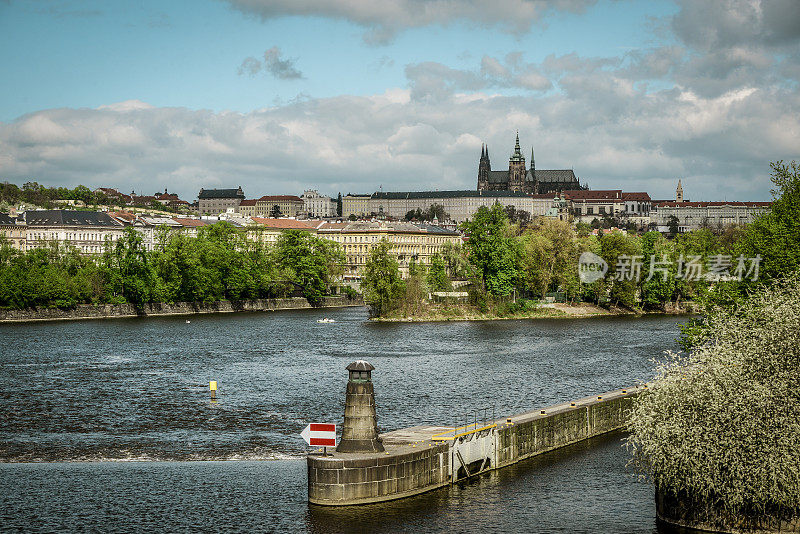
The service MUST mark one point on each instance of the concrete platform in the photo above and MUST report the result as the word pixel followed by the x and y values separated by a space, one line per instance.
pixel 422 458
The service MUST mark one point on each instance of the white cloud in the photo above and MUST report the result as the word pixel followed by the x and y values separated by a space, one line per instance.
pixel 712 110
pixel 382 20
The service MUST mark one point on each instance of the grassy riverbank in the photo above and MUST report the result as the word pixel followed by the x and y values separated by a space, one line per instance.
pixel 466 312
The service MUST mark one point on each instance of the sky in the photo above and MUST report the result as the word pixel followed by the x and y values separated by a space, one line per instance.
pixel 357 95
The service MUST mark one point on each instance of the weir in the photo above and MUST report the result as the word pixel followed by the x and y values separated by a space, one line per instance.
pixel 414 460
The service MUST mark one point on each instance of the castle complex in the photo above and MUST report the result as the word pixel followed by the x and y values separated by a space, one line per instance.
pixel 520 178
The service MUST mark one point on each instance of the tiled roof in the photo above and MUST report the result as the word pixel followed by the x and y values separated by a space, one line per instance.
pixel 70 218
pixel 278 198
pixel 250 202
pixel 589 194
pixel 220 193
pixel 283 224
pixel 554 175
pixel 7 220
pixel 192 223
pixel 447 194
pixel 641 197
pixel 124 215
pixel 395 227
pixel 673 204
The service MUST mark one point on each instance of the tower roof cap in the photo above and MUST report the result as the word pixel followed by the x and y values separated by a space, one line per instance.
pixel 360 365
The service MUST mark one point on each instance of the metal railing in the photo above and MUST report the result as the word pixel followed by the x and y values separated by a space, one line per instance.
pixel 478 425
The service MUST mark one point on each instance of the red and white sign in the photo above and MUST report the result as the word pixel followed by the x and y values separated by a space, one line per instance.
pixel 320 435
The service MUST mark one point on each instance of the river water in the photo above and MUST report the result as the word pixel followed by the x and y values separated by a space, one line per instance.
pixel 109 424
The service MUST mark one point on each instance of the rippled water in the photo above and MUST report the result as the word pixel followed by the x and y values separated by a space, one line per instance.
pixel 138 390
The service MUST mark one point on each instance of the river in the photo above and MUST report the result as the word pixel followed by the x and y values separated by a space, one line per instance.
pixel 109 425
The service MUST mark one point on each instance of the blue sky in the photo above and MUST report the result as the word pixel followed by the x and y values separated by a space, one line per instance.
pixel 280 96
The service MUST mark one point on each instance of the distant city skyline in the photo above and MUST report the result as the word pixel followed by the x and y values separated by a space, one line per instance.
pixel 279 97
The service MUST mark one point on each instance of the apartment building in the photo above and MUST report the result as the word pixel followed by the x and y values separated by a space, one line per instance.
pixel 216 201
pixel 88 231
pixel 694 215
pixel 409 242
pixel 316 205
pixel 13 231
pixel 268 206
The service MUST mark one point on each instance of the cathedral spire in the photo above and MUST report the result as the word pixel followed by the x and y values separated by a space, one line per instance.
pixel 533 164
pixel 516 146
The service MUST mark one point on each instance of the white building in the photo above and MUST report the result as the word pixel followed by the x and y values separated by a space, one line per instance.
pixel 459 205
pixel 694 215
pixel 88 231
pixel 316 205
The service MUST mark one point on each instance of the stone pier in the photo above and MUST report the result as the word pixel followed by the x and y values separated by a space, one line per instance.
pixel 414 460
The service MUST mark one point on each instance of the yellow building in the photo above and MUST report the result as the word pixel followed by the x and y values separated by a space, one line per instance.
pixel 13 230
pixel 268 230
pixel 409 242
pixel 358 205
pixel 288 205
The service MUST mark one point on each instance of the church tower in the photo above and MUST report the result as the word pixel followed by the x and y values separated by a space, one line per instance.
pixel 679 192
pixel 532 185
pixel 516 169
pixel 484 166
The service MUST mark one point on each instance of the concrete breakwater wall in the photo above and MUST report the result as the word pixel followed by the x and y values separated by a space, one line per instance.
pixel 108 311
pixel 423 458
pixel 709 516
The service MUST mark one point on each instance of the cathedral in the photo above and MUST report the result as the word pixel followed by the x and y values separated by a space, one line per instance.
pixel 520 178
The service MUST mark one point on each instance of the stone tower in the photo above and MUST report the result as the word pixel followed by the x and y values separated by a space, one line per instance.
pixel 360 429
pixel 484 166
pixel 516 169
pixel 679 192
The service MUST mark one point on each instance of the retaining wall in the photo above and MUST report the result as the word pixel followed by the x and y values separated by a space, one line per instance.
pixel 342 481
pixel 414 462
pixel 682 511
pixel 110 311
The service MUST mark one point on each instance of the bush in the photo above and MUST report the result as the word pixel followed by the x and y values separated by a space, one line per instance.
pixel 722 424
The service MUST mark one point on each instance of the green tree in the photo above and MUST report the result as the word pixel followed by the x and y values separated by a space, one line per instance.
pixel 620 252
pixel 492 249
pixel 437 275
pixel 672 224
pixel 309 262
pixel 381 283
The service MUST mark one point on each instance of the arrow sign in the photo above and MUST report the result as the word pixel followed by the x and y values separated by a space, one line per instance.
pixel 320 434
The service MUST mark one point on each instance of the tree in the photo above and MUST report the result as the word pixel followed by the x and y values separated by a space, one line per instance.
pixel 309 262
pixel 520 217
pixel 672 224
pixel 619 251
pixel 275 212
pixel 774 235
pixel 381 282
pixel 130 258
pixel 492 249
pixel 437 275
pixel 339 205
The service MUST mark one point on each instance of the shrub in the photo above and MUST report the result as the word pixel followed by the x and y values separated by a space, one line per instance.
pixel 722 424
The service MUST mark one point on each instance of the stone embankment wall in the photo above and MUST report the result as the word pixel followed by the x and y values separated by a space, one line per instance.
pixel 106 311
pixel 688 513
pixel 345 481
pixel 420 464
pixel 536 432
